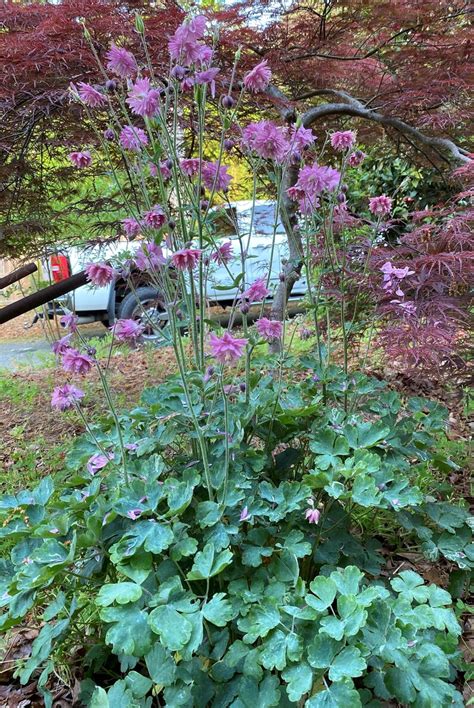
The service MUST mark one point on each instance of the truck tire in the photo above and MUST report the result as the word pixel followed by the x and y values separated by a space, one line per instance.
pixel 145 305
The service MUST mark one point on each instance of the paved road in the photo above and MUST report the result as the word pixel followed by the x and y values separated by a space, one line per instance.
pixel 14 354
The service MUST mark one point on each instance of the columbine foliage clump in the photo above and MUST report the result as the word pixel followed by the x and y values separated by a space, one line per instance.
pixel 216 546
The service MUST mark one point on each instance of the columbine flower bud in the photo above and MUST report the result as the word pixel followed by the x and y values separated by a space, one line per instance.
pixel 282 277
pixel 110 85
pixel 229 144
pixel 109 134
pixel 242 387
pixel 178 72
pixel 341 198
pixel 244 308
pixel 228 102
pixel 171 225
pixel 204 204
pixel 169 163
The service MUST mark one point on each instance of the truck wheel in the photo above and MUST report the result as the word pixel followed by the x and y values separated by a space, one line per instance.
pixel 145 305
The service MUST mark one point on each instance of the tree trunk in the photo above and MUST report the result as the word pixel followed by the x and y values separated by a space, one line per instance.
pixel 291 269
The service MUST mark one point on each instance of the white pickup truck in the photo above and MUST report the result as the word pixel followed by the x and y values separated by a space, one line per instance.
pixel 117 301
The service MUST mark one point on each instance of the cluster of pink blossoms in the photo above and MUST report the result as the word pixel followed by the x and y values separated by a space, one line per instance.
pixel 186 258
pixel 133 138
pixel 149 257
pixel 312 181
pixel 227 349
pixel 257 291
pixel 100 274
pixel 213 174
pixel 66 396
pixel 121 62
pixel 269 329
pixel 143 99
pixel 223 254
pixel 127 330
pixel 81 159
pixel 273 142
pixel 258 78
pixel 343 140
pixel 380 206
pixel 89 95
pixel 155 218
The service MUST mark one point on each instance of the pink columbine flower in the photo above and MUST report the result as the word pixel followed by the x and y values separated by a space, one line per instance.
pixel 133 514
pixel 269 329
pixel 343 140
pixel 244 514
pixel 257 291
pixel 380 205
pixel 143 99
pixel 184 44
pixel 149 256
pixel 312 515
pixel 131 227
pixel 121 62
pixel 81 159
pixel 90 95
pixel 223 254
pixel 207 77
pixel 75 362
pixel 155 218
pixel 301 137
pixel 66 396
pixel 98 462
pixel 258 78
pixel 61 345
pixel 190 166
pixel 227 348
pixel 266 139
pixel 127 330
pixel 312 181
pixel 99 274
pixel 356 158
pixel 163 168
pixel 186 258
pixel 70 321
pixel 215 176
pixel 133 138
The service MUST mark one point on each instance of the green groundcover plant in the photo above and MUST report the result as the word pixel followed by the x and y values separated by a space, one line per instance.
pixel 222 543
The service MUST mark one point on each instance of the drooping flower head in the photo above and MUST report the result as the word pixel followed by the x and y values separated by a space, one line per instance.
pixel 90 95
pixel 121 62
pixel 266 139
pixel 215 176
pixel 190 166
pixel 133 138
pixel 227 349
pixel 312 181
pixel 131 227
pixel 70 321
pixel 143 99
pixel 356 158
pixel 149 256
pixel 258 78
pixel 312 514
pixel 186 258
pixel 81 159
pixel 61 345
pixel 343 140
pixel 301 138
pixel 208 76
pixel 155 218
pixel 66 396
pixel 99 274
pixel 127 330
pixel 269 329
pixel 98 462
pixel 76 363
pixel 244 514
pixel 223 254
pixel 184 46
pixel 257 291
pixel 380 206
